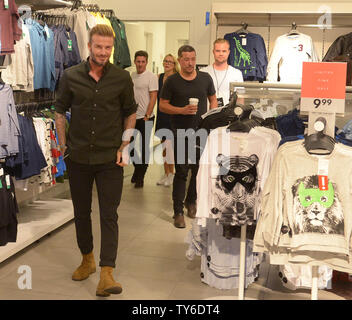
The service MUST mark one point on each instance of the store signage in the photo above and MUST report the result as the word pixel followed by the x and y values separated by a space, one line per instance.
pixel 323 87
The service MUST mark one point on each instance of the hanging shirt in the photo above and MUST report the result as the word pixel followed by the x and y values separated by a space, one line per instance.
pixel 42 41
pixel 248 54
pixel 289 53
pixel 301 222
pixel 121 55
pixel 20 69
pixel 10 27
pixel 231 175
pixel 341 46
pixel 9 127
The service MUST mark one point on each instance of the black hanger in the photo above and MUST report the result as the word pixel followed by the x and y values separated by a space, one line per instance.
pixel 242 123
pixel 293 30
pixel 243 30
pixel 319 141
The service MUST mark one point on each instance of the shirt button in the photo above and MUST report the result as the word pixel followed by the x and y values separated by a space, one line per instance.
pixel 96 90
pixel 95 104
pixel 93 118
pixel 91 146
pixel 93 132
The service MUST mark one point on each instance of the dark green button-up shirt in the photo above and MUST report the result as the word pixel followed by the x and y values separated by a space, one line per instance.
pixel 98 110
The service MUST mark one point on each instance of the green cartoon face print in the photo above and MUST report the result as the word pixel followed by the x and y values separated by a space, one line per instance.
pixel 309 196
pixel 315 210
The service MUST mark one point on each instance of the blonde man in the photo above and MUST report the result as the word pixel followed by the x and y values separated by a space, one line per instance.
pixel 222 73
pixel 100 96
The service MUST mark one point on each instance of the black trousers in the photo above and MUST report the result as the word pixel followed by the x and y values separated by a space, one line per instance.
pixel 140 158
pixel 109 180
pixel 183 163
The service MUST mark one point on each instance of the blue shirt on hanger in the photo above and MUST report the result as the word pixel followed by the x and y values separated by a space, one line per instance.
pixel 42 41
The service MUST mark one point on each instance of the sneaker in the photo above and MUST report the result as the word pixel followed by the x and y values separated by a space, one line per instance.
pixel 169 180
pixel 162 180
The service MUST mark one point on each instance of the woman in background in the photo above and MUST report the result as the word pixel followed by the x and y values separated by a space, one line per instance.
pixel 171 66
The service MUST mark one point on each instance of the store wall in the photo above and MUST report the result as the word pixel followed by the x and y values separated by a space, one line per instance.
pixel 149 36
pixel 176 34
pixel 195 10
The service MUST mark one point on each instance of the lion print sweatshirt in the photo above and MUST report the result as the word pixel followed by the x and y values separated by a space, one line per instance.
pixel 299 215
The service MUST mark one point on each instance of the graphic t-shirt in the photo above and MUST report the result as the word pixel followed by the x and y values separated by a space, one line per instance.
pixel 232 172
pixel 248 54
pixel 289 53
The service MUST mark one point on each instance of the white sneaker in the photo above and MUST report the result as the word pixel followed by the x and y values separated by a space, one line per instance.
pixel 161 182
pixel 169 180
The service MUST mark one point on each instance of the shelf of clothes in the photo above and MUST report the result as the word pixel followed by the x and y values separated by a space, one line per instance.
pixel 29 150
pixel 248 53
pixel 50 41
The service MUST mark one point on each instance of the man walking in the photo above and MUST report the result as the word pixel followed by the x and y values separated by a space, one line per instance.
pixel 175 95
pixel 145 94
pixel 100 96
pixel 222 73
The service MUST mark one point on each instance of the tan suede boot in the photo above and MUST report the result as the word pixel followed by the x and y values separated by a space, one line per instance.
pixel 107 284
pixel 86 268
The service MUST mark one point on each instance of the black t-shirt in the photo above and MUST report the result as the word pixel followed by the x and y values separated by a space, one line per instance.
pixel 178 91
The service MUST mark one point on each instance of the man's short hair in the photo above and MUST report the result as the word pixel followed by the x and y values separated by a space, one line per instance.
pixel 185 48
pixel 141 53
pixel 220 40
pixel 101 30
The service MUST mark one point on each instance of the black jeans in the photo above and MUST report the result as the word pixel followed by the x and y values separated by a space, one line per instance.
pixel 140 159
pixel 109 180
pixel 184 163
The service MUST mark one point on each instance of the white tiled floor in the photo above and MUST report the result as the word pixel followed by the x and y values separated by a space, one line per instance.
pixel 151 260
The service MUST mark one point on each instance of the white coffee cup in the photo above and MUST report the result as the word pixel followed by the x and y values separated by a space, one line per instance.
pixel 193 101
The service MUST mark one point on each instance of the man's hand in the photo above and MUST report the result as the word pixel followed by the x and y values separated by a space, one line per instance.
pixel 122 156
pixel 189 109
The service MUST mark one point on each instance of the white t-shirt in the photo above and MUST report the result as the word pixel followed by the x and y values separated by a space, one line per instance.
pixel 222 79
pixel 143 84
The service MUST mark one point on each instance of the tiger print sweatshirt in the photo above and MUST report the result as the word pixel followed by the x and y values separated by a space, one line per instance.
pixel 298 218
pixel 231 175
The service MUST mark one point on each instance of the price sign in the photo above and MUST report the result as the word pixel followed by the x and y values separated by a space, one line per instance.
pixel 323 87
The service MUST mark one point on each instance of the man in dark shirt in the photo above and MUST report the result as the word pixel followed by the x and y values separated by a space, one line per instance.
pixel 100 96
pixel 175 95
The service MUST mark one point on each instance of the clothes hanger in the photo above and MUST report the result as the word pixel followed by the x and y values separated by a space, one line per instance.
pixel 293 30
pixel 319 140
pixel 242 123
pixel 243 30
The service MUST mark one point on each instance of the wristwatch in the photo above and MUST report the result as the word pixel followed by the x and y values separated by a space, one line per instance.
pixel 147 116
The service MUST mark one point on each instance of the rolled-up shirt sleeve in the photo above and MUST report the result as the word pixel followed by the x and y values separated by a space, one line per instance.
pixel 63 96
pixel 128 103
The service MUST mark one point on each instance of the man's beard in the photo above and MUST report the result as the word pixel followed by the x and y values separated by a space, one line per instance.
pixel 92 56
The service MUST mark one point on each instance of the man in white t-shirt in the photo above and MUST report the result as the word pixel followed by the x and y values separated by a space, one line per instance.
pixel 222 73
pixel 145 94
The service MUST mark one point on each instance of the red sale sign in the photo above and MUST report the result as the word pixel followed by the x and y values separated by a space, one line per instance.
pixel 323 87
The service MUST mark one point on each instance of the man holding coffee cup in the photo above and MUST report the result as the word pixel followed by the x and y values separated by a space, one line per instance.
pixel 185 96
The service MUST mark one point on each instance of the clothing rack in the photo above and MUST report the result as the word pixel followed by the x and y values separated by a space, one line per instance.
pixel 315 273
